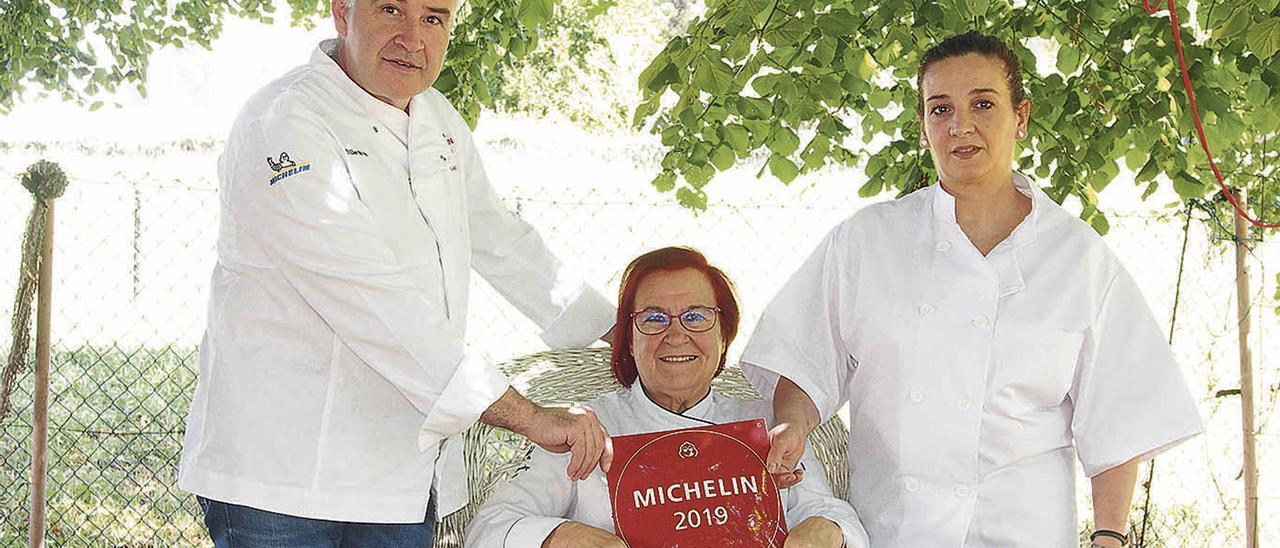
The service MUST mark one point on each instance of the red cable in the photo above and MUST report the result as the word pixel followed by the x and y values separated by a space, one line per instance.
pixel 1195 114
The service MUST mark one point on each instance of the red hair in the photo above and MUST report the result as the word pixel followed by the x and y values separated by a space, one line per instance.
pixel 665 260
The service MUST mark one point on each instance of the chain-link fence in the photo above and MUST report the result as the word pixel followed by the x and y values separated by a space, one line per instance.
pixel 135 247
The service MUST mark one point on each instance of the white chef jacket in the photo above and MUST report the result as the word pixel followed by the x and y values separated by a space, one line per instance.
pixel 969 378
pixel 523 512
pixel 333 363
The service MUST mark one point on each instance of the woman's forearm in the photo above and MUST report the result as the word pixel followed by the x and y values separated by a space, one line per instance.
pixel 792 405
pixel 1112 498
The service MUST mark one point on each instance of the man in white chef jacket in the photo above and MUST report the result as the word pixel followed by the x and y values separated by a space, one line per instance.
pixel 354 206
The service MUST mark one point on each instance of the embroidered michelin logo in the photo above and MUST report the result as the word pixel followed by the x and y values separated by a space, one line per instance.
pixel 284 167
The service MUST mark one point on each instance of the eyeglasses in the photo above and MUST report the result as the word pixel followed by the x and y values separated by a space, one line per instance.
pixel 696 319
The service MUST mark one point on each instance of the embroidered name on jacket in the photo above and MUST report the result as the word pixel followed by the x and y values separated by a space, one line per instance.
pixel 285 167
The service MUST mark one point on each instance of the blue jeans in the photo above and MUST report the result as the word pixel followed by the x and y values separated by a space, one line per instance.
pixel 235 526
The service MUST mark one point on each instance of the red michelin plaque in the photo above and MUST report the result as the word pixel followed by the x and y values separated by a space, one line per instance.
pixel 696 487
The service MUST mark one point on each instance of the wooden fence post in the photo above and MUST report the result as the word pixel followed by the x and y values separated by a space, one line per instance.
pixel 1243 309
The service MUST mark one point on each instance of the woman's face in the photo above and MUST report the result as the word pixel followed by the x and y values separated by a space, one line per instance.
pixel 970 120
pixel 676 366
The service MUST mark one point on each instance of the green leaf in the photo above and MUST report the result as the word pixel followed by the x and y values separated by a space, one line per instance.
pixel 698 176
pixel 1152 187
pixel 872 187
pixel 828 90
pixel 1068 58
pixel 838 22
pixel 517 46
pixel 692 199
pixel 755 7
pixel 740 47
pixel 782 168
pixel 659 78
pixel 665 181
pixel 597 8
pixel 765 84
pixel 736 136
pixel 825 51
pixel 1234 25
pixel 1187 186
pixel 853 84
pixel 644 110
pixel 1264 38
pixel 1099 223
pixel 723 157
pixel 783 141
pixel 1257 92
pixel 698 154
pixel 1151 168
pixel 721 76
pixel 447 80
pixel 532 13
pixel 1135 158
pixel 879 98
pixel 788 33
pixel 867 66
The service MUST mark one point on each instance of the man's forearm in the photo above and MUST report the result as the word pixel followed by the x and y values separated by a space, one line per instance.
pixel 576 430
pixel 792 405
pixel 1112 498
pixel 512 411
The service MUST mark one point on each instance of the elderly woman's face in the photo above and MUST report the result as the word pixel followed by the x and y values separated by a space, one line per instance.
pixel 677 365
pixel 970 120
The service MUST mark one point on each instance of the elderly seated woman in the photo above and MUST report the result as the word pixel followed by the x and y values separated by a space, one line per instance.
pixel 681 315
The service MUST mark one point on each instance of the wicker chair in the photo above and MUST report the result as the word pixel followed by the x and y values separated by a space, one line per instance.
pixel 564 377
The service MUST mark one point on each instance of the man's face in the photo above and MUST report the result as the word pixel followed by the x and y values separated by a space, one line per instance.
pixel 394 49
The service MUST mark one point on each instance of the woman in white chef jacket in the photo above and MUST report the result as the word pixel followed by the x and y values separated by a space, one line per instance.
pixel 679 314
pixel 982 336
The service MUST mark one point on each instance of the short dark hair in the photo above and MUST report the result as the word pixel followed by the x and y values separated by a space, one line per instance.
pixel 667 259
pixel 981 44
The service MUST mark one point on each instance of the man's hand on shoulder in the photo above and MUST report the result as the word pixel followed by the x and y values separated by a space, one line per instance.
pixel 576 430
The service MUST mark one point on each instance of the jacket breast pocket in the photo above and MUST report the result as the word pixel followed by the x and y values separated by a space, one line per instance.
pixel 1032 368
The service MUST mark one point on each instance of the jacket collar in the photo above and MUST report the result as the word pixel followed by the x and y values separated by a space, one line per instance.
pixel 701 413
pixel 1003 258
pixel 944 206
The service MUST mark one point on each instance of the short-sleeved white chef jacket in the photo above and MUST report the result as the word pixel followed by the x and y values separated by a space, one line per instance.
pixel 333 363
pixel 523 512
pixel 969 378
